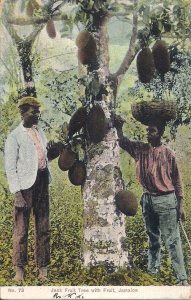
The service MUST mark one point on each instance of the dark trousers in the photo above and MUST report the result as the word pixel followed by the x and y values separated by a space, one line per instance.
pixel 37 199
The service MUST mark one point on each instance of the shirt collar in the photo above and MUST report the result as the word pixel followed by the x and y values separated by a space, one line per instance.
pixel 25 128
pixel 159 148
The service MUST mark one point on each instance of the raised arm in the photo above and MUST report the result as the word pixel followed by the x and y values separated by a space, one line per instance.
pixel 124 142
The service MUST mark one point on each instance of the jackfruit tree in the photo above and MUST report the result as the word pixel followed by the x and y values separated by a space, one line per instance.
pixel 96 165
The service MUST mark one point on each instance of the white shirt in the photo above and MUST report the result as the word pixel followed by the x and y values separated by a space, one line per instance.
pixel 21 159
pixel 36 138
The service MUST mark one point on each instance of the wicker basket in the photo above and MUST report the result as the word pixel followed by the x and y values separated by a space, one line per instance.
pixel 154 112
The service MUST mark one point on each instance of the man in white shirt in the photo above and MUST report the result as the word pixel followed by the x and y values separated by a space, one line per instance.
pixel 28 175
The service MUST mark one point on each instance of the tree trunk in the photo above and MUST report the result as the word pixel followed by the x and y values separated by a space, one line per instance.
pixel 104 224
pixel 24 50
pixel 24 47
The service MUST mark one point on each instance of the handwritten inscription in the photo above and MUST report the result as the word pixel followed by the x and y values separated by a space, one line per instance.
pixel 68 296
pixel 69 293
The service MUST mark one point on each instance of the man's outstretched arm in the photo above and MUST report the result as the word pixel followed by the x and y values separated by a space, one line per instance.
pixel 124 142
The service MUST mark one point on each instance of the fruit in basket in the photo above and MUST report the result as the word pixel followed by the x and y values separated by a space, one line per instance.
pixel 154 112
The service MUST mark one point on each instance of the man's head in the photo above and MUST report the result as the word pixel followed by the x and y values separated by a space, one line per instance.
pixel 154 134
pixel 30 110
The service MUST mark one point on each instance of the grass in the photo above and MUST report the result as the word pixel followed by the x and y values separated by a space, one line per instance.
pixel 66 218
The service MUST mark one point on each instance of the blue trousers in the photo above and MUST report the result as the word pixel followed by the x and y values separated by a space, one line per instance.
pixel 160 218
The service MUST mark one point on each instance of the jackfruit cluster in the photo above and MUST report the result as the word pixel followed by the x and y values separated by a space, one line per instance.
pixel 94 122
pixel 68 161
pixel 148 61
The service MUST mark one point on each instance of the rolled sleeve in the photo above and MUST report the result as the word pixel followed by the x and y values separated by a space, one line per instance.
pixel 177 180
pixel 130 146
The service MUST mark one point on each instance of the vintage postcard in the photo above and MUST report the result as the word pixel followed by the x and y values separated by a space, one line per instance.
pixel 95 129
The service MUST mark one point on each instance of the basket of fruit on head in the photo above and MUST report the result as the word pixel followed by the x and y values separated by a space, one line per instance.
pixel 150 112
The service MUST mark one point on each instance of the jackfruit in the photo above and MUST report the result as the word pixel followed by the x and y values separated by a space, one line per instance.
pixel 77 121
pixel 126 202
pixel 53 152
pixel 66 159
pixel 84 39
pixel 145 65
pixel 96 124
pixel 161 57
pixel 86 48
pixel 77 173
pixel 50 28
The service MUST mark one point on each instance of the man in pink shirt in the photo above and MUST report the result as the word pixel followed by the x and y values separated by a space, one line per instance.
pixel 27 156
pixel 162 199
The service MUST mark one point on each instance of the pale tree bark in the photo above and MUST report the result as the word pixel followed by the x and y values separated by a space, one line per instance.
pixel 104 224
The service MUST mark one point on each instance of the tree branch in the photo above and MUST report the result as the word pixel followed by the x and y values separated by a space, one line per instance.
pixel 22 21
pixel 12 31
pixel 34 33
pixel 55 16
pixel 63 54
pixel 117 14
pixel 133 48
pixel 8 14
pixel 57 7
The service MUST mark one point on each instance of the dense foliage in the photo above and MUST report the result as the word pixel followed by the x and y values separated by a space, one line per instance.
pixel 60 92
